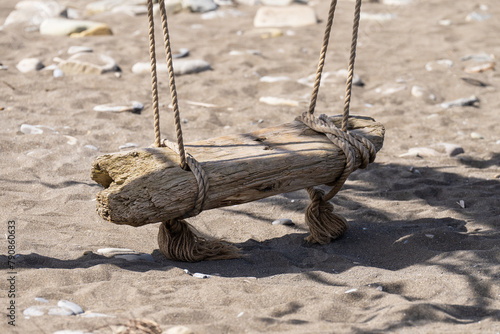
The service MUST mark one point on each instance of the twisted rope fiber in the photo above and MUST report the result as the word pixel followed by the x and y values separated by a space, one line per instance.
pixel 173 90
pixel 326 38
pixel 350 71
pixel 154 80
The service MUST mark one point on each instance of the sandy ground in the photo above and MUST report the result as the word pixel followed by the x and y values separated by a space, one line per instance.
pixel 413 261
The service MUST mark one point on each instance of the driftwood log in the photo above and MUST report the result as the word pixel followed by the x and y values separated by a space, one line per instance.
pixel 147 185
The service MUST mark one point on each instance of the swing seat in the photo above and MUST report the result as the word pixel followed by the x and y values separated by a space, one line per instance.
pixel 145 186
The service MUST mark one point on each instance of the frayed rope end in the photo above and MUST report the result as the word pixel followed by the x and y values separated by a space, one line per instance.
pixel 177 241
pixel 324 224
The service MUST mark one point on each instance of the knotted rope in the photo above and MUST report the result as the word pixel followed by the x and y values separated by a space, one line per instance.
pixel 176 238
pixel 323 223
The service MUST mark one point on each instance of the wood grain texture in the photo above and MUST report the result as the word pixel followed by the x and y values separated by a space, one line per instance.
pixel 147 185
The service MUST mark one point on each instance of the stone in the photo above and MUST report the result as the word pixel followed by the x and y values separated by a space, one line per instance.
pixel 132 10
pixel 31 129
pixel 134 107
pixel 468 101
pixel 97 7
pixel 477 16
pixel 199 6
pixel 480 57
pixel 343 73
pixel 220 14
pixel 98 30
pixel 379 17
pixel 79 49
pixel 480 68
pixel 60 311
pixel 475 135
pixel 32 13
pixel 273 79
pixel 41 300
pixel 178 330
pixel 128 146
pixel 441 64
pixel 276 2
pixel 34 311
pixel 277 101
pixel 181 66
pixel 66 27
pixel 88 63
pixel 29 65
pixel 70 306
pixel 420 152
pixel 452 149
pixel 183 52
pixel 110 252
pixel 171 7
pixel 70 331
pixel 283 221
pixel 292 16
pixel 95 315
pixel 200 275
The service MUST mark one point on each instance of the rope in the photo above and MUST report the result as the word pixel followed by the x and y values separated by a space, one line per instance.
pixel 173 90
pixel 350 71
pixel 326 38
pixel 154 80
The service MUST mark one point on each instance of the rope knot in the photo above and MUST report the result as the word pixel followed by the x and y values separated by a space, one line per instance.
pixel 324 224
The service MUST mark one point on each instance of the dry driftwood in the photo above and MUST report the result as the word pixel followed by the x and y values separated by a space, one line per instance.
pixel 147 185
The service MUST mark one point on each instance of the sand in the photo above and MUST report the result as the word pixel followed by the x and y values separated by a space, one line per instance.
pixel 414 259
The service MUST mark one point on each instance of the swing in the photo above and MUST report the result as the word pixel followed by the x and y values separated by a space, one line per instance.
pixel 166 184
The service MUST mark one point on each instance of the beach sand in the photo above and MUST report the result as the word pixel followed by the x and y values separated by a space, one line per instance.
pixel 415 258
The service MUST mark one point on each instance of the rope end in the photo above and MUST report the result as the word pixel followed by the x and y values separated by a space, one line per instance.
pixel 324 224
pixel 177 241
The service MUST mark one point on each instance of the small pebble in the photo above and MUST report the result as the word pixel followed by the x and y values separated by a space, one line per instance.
pixel 351 290
pixel 60 311
pixel 71 140
pixel 273 79
pixel 461 203
pixel 379 288
pixel 477 16
pixel 292 16
pixel 469 101
pixel 134 107
pixel 475 135
pixel 420 152
pixel 58 73
pixel 452 149
pixel 70 331
pixel 200 275
pixel 88 63
pixel 396 2
pixel 181 66
pixel 430 236
pixel 441 64
pixel 480 57
pixel 444 23
pixel 199 6
pixel 379 17
pixel 41 300
pixel 110 252
pixel 178 330
pixel 283 221
pixel 95 315
pixel 127 146
pixel 276 101
pixel 183 52
pixel 480 68
pixel 70 306
pixel 91 147
pixel 29 65
pixel 79 49
pixel 31 129
pixel 34 311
